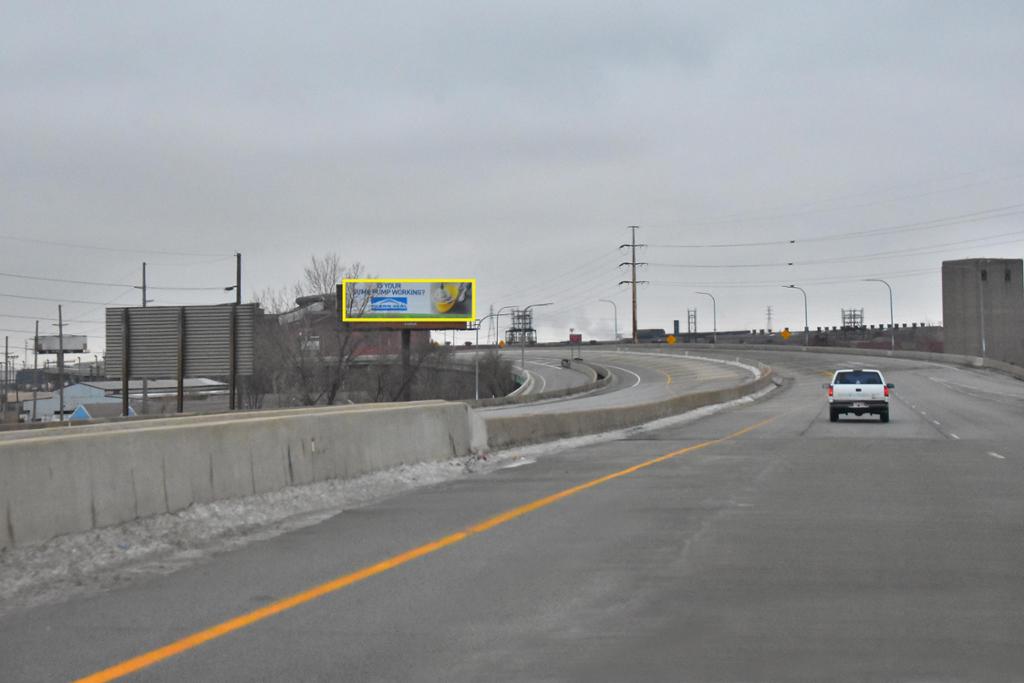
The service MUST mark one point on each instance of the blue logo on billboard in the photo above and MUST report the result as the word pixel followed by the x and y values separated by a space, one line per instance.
pixel 389 303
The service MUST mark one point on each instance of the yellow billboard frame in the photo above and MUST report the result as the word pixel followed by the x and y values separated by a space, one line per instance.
pixel 433 280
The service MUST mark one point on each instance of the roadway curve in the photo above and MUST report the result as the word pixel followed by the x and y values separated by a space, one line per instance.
pixel 637 377
pixel 759 543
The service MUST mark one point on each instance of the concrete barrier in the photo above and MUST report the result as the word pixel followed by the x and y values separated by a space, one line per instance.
pixel 600 378
pixel 946 358
pixel 519 430
pixel 61 481
pixel 69 481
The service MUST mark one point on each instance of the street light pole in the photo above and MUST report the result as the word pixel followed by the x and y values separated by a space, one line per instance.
pixel 497 335
pixel 714 315
pixel 476 353
pixel 522 338
pixel 615 312
pixel 806 328
pixel 892 327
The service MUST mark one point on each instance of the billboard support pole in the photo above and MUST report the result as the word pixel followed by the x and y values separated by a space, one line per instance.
pixel 35 375
pixel 60 357
pixel 181 360
pixel 125 365
pixel 3 399
pixel 233 341
pixel 406 363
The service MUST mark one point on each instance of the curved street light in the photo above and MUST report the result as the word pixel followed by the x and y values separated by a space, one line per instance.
pixel 522 338
pixel 714 315
pixel 806 328
pixel 476 350
pixel 892 330
pixel 497 335
pixel 615 312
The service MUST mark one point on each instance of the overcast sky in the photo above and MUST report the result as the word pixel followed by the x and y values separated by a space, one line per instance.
pixel 511 142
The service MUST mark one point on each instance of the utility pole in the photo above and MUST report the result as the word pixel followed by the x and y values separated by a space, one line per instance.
pixel 3 404
pixel 238 278
pixel 60 357
pixel 769 320
pixel 35 374
pixel 145 382
pixel 236 391
pixel 632 263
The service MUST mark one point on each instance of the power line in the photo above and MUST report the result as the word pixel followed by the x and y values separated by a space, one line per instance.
pixel 94 247
pixel 774 283
pixel 915 251
pixel 41 317
pixel 808 210
pixel 45 298
pixel 95 283
pixel 972 217
pixel 576 271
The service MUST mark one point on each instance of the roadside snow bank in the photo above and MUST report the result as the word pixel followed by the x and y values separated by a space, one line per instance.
pixel 95 560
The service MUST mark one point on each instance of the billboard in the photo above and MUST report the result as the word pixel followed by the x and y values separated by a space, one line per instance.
pixel 50 343
pixel 193 341
pixel 408 301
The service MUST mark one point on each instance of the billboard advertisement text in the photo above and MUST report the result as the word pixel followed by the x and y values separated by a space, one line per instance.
pixel 379 301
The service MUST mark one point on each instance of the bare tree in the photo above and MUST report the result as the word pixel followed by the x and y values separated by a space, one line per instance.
pixel 306 352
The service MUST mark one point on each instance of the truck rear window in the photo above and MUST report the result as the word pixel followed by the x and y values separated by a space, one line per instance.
pixel 858 377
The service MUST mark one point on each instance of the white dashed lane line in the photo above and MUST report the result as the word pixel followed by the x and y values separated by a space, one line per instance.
pixel 996 455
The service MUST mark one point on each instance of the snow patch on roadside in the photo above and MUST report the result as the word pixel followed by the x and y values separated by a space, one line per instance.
pixel 755 371
pixel 103 558
pixel 100 559
pixel 549 447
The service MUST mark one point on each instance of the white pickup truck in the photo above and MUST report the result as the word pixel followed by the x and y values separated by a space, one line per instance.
pixel 858 392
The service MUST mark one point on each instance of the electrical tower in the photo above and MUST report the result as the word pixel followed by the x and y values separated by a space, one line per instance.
pixel 521 331
pixel 853 318
pixel 633 263
pixel 769 320
pixel 691 324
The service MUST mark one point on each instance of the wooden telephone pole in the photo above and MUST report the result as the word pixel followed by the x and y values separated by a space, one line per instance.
pixel 633 263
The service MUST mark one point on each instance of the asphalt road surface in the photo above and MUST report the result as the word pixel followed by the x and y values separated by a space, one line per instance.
pixel 637 377
pixel 762 543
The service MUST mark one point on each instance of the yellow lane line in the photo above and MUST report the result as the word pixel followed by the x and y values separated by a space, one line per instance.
pixel 152 657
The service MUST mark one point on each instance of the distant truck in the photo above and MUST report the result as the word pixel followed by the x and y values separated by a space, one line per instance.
pixel 859 392
pixel 651 335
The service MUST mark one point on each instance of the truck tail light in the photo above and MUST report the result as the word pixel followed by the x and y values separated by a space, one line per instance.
pixel 886 391
pixel 830 391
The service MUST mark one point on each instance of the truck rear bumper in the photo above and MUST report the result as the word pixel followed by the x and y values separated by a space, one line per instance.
pixel 860 407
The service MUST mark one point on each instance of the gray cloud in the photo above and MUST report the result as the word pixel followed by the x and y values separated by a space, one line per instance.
pixel 511 142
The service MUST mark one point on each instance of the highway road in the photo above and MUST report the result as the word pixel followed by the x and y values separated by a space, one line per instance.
pixel 760 543
pixel 637 377
pixel 545 368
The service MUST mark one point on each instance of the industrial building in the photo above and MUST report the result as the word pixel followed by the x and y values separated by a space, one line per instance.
pixel 983 308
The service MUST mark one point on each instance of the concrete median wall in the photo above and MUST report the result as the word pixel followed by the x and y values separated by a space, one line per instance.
pixel 518 430
pixel 71 481
pixel 945 358
pixel 600 378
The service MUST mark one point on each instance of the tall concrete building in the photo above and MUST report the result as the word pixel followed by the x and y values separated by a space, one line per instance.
pixel 983 308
